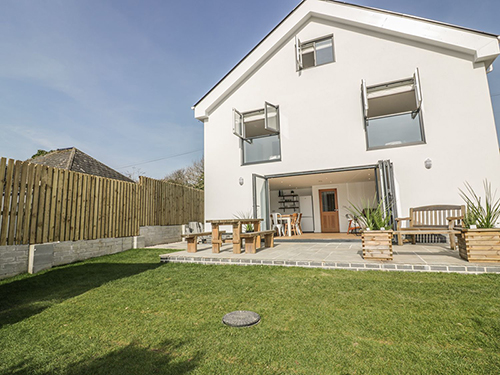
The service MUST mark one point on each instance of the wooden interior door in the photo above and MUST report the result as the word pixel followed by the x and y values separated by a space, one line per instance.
pixel 328 204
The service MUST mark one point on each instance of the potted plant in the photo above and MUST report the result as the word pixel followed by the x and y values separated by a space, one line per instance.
pixel 479 238
pixel 248 228
pixel 376 235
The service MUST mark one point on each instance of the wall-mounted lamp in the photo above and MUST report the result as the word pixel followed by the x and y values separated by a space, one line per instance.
pixel 242 181
pixel 428 163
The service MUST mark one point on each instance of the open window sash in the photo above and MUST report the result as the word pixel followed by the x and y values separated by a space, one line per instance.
pixel 272 118
pixel 298 54
pixel 418 91
pixel 238 126
pixel 364 94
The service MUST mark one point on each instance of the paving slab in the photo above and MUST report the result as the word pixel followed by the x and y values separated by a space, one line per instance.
pixel 334 255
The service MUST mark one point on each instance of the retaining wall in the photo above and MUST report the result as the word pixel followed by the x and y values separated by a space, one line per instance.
pixel 156 235
pixel 13 260
pixel 25 258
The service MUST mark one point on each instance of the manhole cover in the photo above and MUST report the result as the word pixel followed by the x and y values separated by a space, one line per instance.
pixel 241 319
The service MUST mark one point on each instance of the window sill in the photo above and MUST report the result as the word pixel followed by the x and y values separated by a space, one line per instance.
pixel 396 146
pixel 315 66
pixel 261 162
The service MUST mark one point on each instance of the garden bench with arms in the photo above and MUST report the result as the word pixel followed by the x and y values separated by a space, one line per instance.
pixel 437 219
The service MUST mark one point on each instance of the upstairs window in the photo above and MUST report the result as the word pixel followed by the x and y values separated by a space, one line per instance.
pixel 314 53
pixel 259 132
pixel 392 111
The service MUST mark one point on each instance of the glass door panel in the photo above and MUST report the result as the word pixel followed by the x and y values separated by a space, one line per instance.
pixel 328 199
pixel 261 200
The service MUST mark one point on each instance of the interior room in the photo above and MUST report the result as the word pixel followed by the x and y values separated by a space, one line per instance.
pixel 323 198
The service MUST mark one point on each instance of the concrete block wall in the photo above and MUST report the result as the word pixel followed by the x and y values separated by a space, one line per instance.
pixel 69 251
pixel 13 260
pixel 156 235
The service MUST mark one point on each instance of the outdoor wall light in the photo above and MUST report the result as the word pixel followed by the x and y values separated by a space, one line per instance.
pixel 242 181
pixel 428 163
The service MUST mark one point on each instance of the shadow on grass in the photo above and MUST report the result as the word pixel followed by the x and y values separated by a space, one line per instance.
pixel 21 299
pixel 131 359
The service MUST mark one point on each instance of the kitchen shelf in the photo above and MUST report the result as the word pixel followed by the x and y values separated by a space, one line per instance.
pixel 289 202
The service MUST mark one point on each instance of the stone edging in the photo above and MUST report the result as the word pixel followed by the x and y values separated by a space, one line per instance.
pixel 334 265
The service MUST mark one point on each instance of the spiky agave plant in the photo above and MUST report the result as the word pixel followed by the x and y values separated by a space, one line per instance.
pixel 245 215
pixel 371 218
pixel 483 216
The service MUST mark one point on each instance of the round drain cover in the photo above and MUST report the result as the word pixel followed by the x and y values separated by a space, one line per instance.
pixel 241 319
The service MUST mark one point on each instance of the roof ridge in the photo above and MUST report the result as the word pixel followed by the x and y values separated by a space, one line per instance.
pixel 404 15
pixel 71 158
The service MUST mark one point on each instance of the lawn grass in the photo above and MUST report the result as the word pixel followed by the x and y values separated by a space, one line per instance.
pixel 129 314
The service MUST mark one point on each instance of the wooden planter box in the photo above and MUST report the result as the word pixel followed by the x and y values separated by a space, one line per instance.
pixel 377 244
pixel 479 245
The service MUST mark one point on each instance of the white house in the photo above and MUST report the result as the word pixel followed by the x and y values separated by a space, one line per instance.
pixel 341 102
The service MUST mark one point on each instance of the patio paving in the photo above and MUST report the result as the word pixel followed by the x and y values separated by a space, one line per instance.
pixel 333 255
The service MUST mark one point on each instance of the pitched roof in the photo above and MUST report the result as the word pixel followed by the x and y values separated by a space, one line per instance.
pixel 75 160
pixel 484 46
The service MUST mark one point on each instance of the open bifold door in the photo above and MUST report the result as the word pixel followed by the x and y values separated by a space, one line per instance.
pixel 261 200
pixel 386 188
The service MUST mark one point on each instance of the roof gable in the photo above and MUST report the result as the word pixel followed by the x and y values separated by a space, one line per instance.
pixel 483 47
pixel 75 160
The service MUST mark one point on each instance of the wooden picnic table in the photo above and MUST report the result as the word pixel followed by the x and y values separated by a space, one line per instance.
pixel 237 225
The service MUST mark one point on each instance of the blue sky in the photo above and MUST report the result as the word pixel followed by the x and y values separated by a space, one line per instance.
pixel 117 78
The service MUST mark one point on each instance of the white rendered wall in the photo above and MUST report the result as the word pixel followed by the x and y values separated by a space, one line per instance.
pixel 322 120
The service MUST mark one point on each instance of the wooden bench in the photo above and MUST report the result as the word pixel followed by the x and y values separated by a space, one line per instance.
pixel 438 219
pixel 252 238
pixel 192 239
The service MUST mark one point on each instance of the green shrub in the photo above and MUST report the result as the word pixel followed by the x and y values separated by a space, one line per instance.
pixel 483 216
pixel 371 214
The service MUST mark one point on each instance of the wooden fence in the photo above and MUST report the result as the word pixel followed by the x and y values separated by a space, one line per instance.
pixel 164 203
pixel 41 204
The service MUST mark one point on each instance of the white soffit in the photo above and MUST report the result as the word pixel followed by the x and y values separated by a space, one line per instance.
pixel 328 178
pixel 484 47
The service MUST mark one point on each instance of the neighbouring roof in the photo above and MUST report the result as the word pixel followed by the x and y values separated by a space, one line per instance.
pixel 483 45
pixel 75 160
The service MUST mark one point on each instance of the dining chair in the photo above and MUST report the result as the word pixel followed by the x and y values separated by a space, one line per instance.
pixel 293 224
pixel 297 224
pixel 353 224
pixel 276 223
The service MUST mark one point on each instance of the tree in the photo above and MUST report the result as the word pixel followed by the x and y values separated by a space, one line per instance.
pixel 41 153
pixel 134 174
pixel 193 176
pixel 177 177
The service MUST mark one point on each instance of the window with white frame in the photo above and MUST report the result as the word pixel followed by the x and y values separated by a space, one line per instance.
pixel 259 131
pixel 314 53
pixel 393 113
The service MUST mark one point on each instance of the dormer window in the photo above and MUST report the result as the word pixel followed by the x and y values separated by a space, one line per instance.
pixel 259 133
pixel 393 113
pixel 314 52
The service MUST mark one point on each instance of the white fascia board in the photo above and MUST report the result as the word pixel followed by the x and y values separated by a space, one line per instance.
pixel 484 48
pixel 246 67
